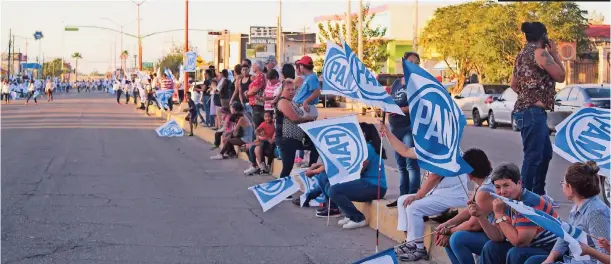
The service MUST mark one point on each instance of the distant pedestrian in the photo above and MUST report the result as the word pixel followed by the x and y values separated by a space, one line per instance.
pixel 49 90
pixel 5 91
pixel 117 88
pixel 31 92
pixel 192 114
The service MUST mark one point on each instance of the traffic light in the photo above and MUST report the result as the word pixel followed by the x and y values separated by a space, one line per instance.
pixel 216 33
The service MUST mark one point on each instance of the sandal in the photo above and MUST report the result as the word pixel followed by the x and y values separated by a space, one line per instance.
pixel 404 248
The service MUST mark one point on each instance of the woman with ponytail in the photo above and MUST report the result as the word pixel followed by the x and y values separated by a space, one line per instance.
pixel 589 214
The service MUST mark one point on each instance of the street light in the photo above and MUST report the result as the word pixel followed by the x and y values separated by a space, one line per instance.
pixel 121 27
pixel 138 4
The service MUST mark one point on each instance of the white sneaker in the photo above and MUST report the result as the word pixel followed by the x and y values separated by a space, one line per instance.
pixel 217 157
pixel 352 225
pixel 343 221
pixel 263 167
pixel 250 170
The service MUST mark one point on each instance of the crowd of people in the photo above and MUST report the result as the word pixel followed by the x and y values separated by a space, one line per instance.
pixel 259 109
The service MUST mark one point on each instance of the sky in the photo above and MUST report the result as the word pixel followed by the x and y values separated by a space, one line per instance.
pixel 96 46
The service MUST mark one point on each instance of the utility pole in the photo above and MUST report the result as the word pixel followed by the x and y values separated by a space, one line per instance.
pixel 19 69
pixel 303 42
pixel 138 4
pixel 13 56
pixel 415 39
pixel 185 80
pixel 279 40
pixel 135 58
pixel 349 25
pixel 360 47
pixel 227 39
pixel 10 43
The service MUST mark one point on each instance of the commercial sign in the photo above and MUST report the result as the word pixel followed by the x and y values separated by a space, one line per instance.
pixel 262 41
pixel 190 61
pixel 263 33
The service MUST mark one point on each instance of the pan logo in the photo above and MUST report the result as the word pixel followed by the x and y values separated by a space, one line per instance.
pixel 585 135
pixel 170 129
pixel 272 189
pixel 344 143
pixel 336 72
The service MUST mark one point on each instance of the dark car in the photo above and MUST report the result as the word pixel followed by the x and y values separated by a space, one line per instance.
pixel 327 100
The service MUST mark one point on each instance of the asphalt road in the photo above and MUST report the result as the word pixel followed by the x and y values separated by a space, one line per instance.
pixel 85 180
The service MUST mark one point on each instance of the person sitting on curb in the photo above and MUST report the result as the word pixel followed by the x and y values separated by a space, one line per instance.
pixel 364 189
pixel 224 131
pixel 436 195
pixel 513 238
pixel 263 145
pixel 589 214
pixel 462 236
pixel 241 133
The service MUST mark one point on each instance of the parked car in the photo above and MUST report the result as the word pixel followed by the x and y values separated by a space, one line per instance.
pixel 475 100
pixel 327 100
pixel 501 110
pixel 576 96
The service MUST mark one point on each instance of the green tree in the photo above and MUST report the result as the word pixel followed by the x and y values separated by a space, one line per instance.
pixel 487 41
pixel 76 56
pixel 52 68
pixel 448 34
pixel 375 52
pixel 173 59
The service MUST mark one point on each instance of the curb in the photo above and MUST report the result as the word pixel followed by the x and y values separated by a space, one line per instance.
pixel 387 217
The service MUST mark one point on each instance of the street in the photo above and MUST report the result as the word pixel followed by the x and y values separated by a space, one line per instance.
pixel 85 180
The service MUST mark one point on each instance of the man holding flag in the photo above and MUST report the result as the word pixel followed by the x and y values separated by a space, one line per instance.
pixel 514 238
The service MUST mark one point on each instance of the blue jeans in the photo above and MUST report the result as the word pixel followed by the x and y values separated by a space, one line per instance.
pixel 536 259
pixel 463 244
pixel 408 168
pixel 198 108
pixel 206 102
pixel 506 253
pixel 343 194
pixel 537 146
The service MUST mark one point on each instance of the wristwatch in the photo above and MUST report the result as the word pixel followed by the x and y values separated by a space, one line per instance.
pixel 499 220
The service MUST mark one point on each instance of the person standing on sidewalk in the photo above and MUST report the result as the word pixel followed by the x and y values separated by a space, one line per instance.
pixel 537 69
pixel 400 127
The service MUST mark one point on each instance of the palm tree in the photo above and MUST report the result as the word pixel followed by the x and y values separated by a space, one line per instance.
pixel 76 56
pixel 124 55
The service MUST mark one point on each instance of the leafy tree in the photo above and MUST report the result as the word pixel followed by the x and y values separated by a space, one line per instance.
pixel 76 56
pixel 375 52
pixel 487 41
pixel 173 59
pixel 52 68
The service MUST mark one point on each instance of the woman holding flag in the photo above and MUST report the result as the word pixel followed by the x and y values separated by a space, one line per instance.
pixel 589 214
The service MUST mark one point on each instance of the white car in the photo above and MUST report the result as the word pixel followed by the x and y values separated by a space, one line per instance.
pixel 475 100
pixel 501 110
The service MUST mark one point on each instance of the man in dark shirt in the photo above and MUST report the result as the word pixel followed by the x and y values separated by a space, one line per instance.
pixel 401 127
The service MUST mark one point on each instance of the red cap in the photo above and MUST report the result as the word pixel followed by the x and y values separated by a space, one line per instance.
pixel 305 60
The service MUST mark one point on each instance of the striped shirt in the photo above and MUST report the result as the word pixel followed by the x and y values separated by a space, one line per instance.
pixel 543 238
pixel 167 83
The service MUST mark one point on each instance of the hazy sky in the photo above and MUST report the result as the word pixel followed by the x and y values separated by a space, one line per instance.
pixel 25 17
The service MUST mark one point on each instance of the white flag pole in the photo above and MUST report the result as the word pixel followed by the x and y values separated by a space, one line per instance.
pixel 379 179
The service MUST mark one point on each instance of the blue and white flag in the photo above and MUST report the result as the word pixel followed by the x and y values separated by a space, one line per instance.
pixel 385 257
pixel 163 96
pixel 170 129
pixel 437 123
pixel 585 135
pixel 341 145
pixel 272 193
pixel 168 73
pixel 190 61
pixel 13 95
pixel 36 94
pixel 570 234
pixel 309 184
pixel 345 75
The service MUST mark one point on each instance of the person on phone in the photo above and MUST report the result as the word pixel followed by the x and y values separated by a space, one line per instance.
pixel 536 71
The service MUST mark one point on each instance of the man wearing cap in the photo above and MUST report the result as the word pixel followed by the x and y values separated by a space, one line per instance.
pixel 271 63
pixel 307 96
